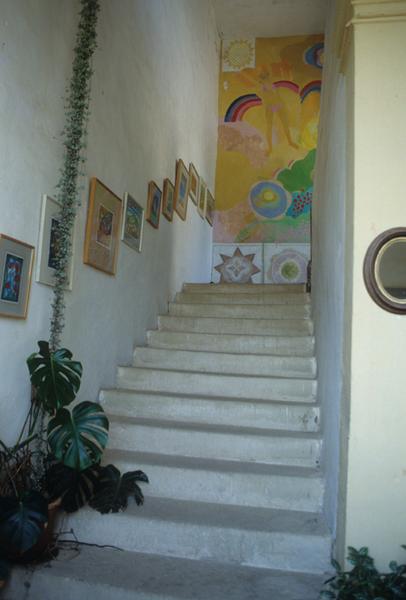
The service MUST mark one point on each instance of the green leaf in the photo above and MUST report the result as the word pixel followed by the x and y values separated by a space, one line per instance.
pixel 22 521
pixel 74 488
pixel 77 438
pixel 55 376
pixel 300 175
pixel 113 490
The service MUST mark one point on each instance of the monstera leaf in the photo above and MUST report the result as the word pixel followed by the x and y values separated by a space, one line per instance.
pixel 22 521
pixel 55 376
pixel 77 438
pixel 74 488
pixel 113 490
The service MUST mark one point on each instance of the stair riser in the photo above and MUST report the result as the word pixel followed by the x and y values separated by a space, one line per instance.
pixel 219 288
pixel 285 299
pixel 238 311
pixel 229 386
pixel 216 411
pixel 207 362
pixel 236 326
pixel 275 550
pixel 238 489
pixel 242 344
pixel 265 449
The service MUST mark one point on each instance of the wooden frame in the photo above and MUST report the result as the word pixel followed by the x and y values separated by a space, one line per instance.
pixel 133 223
pixel 154 204
pixel 47 240
pixel 16 264
pixel 375 288
pixel 209 207
pixel 181 189
pixel 193 183
pixel 168 199
pixel 201 206
pixel 102 228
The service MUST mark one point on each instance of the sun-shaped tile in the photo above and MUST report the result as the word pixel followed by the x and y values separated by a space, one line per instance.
pixel 238 268
pixel 238 54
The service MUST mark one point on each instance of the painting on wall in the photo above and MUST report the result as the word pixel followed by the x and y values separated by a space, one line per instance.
pixel 181 189
pixel 154 204
pixel 16 263
pixel 193 183
pixel 133 223
pixel 209 207
pixel 102 228
pixel 168 198
pixel 48 243
pixel 286 263
pixel 201 205
pixel 269 112
pixel 241 263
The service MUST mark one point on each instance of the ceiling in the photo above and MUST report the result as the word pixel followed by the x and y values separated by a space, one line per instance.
pixel 269 18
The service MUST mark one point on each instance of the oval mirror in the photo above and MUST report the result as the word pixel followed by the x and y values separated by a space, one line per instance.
pixel 385 270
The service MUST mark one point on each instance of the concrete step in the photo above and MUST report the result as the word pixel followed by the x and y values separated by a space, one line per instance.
pixel 212 410
pixel 106 573
pixel 242 298
pixel 241 311
pixel 224 482
pixel 214 384
pixel 217 362
pixel 290 448
pixel 276 539
pixel 234 343
pixel 243 288
pixel 274 327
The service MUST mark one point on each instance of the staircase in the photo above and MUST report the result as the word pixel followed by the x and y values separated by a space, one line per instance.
pixel 220 410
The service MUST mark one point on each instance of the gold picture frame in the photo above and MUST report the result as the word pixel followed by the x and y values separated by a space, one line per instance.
pixel 210 203
pixel 193 183
pixel 201 205
pixel 181 189
pixel 102 236
pixel 16 265
pixel 168 199
pixel 154 204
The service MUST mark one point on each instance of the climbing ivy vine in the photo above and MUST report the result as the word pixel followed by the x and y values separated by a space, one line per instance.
pixel 74 136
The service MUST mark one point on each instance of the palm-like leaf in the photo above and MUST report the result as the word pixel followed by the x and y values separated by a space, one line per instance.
pixel 55 376
pixel 78 438
pixel 22 521
pixel 74 488
pixel 113 490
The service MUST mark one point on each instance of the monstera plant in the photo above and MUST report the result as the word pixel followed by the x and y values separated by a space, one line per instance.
pixel 71 473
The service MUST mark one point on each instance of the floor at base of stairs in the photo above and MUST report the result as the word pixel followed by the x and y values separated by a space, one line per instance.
pixel 107 574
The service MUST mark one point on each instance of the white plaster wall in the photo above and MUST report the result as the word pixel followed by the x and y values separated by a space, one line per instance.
pixel 154 99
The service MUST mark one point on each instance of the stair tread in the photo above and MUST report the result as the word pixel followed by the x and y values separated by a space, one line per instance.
pixel 236 355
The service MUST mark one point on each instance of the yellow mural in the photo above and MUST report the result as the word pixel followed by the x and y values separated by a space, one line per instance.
pixel 269 117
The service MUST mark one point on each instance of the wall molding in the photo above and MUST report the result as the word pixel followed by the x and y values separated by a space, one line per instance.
pixel 378 11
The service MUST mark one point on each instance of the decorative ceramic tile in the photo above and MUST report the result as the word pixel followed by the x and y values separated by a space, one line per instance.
pixel 286 263
pixel 238 54
pixel 237 263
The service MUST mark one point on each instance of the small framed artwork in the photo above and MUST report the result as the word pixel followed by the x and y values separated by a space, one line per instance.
pixel 168 197
pixel 133 223
pixel 16 262
pixel 193 183
pixel 48 243
pixel 154 204
pixel 201 205
pixel 102 228
pixel 181 189
pixel 209 207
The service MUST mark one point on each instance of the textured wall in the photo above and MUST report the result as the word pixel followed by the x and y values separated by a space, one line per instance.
pixel 154 99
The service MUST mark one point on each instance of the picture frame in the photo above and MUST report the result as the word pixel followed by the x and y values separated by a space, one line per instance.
pixel 16 265
pixel 47 243
pixel 103 228
pixel 133 223
pixel 154 204
pixel 181 189
pixel 194 181
pixel 168 199
pixel 209 207
pixel 201 206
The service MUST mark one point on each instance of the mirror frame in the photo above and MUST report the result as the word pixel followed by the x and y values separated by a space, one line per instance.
pixel 375 290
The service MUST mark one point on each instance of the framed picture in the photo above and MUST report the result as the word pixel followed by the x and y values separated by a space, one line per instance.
pixel 16 262
pixel 133 223
pixel 102 228
pixel 181 189
pixel 193 183
pixel 168 197
pixel 201 206
pixel 154 204
pixel 209 207
pixel 48 243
